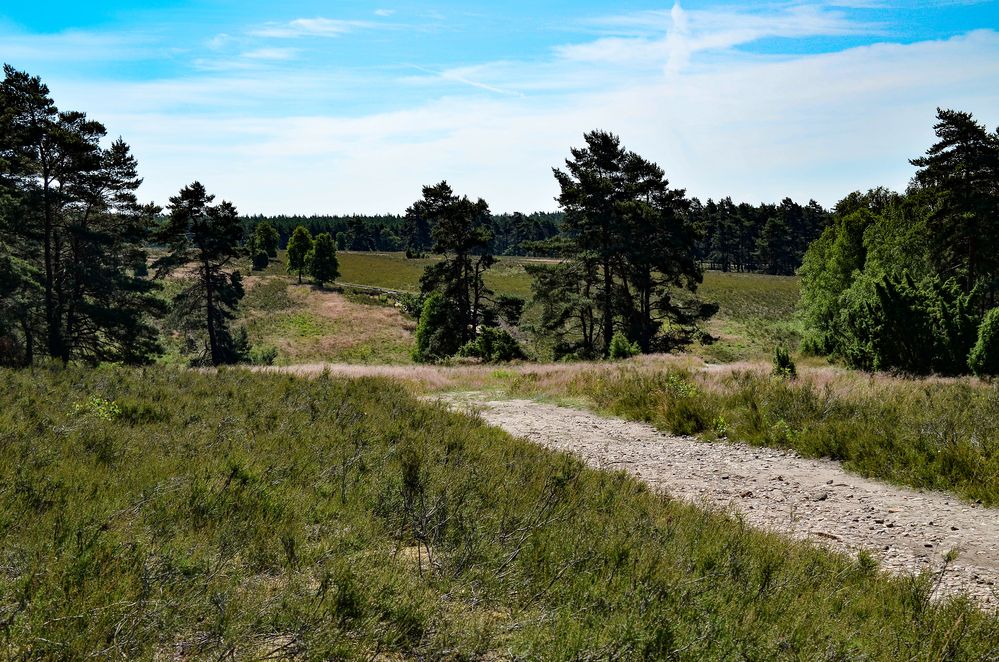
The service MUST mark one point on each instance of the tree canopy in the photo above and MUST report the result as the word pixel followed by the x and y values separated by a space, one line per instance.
pixel 903 281
pixel 73 235
pixel 627 245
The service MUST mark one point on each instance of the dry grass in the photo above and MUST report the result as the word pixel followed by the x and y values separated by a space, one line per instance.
pixel 309 324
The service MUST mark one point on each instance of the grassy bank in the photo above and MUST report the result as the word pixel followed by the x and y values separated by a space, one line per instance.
pixel 306 324
pixel 930 433
pixel 167 512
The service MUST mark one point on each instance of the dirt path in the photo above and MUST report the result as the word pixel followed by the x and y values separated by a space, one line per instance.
pixel 906 530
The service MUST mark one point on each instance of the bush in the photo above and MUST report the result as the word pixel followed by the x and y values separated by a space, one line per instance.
pixel 493 346
pixel 895 323
pixel 622 348
pixel 784 365
pixel 263 355
pixel 411 304
pixel 984 357
pixel 260 260
pixel 437 335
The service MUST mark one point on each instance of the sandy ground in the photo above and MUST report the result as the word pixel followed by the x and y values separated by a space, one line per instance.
pixel 907 530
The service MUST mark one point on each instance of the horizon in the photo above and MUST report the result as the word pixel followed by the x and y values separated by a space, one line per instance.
pixel 307 110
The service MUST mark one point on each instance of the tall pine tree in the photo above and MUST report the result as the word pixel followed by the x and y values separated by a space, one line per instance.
pixel 72 215
pixel 204 240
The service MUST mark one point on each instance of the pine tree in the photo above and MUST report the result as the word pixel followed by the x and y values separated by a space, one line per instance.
pixel 298 251
pixel 958 179
pixel 78 223
pixel 462 235
pixel 630 240
pixel 416 229
pixel 205 237
pixel 323 265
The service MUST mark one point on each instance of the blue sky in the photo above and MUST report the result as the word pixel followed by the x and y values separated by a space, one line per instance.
pixel 338 107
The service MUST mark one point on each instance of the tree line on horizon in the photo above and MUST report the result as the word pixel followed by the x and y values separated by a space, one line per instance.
pixel 766 238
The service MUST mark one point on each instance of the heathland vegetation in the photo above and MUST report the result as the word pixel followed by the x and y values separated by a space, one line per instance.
pixel 162 511
pixel 344 520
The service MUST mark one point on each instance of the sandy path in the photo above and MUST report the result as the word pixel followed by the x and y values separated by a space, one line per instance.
pixel 906 530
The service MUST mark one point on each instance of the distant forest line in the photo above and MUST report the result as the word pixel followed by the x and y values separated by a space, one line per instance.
pixel 767 238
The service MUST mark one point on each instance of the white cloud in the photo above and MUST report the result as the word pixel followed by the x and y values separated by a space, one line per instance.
pixel 73 45
pixel 719 121
pixel 280 54
pixel 310 27
pixel 384 13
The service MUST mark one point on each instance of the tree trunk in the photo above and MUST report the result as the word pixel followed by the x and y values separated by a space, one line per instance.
pixel 608 323
pixel 213 344
pixel 53 337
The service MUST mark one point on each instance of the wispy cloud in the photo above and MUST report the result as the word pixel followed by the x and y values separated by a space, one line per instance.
pixel 279 54
pixel 310 27
pixel 671 38
pixel 462 75
pixel 384 12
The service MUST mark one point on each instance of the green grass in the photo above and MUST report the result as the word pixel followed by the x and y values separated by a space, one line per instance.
pixel 933 434
pixel 309 325
pixel 395 272
pixel 165 513
pixel 756 313
pixel 269 295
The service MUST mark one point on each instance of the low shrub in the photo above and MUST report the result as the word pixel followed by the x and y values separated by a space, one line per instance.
pixel 784 366
pixel 622 348
pixel 984 357
pixel 493 345
pixel 246 515
pixel 260 260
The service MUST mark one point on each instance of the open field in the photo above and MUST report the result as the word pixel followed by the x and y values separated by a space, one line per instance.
pixel 304 324
pixel 176 513
pixel 756 313
pixel 394 271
